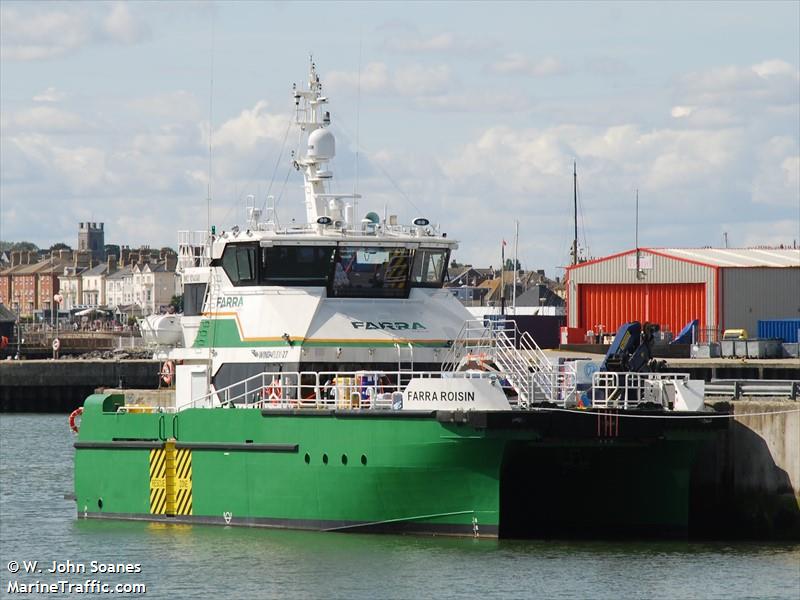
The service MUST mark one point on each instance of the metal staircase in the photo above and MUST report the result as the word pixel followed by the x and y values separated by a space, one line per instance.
pixel 517 356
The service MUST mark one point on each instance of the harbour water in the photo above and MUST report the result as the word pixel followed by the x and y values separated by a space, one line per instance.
pixel 38 524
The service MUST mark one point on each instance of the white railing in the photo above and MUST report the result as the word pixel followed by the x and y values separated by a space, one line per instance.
pixel 535 378
pixel 362 390
pixel 381 390
pixel 194 249
pixel 629 390
pixel 475 338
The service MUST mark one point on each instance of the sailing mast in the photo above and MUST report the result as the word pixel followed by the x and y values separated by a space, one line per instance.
pixel 575 211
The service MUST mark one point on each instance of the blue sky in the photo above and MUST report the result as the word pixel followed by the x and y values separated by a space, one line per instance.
pixel 468 113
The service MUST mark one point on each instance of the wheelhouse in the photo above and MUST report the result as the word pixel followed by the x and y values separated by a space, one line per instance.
pixel 345 269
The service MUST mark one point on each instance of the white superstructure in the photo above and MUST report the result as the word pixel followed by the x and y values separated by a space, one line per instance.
pixel 344 310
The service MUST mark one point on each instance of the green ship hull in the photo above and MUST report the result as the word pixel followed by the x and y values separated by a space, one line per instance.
pixel 507 474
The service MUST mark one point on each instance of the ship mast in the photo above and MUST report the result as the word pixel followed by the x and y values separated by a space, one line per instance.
pixel 575 212
pixel 313 121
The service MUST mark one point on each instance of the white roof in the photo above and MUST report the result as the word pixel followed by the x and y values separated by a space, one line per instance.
pixel 737 257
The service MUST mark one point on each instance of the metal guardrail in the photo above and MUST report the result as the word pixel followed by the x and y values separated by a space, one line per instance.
pixel 738 388
pixel 627 390
pixel 362 390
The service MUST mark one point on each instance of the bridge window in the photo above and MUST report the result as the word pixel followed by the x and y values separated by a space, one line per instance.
pixel 239 263
pixel 193 295
pixel 296 265
pixel 371 272
pixel 429 267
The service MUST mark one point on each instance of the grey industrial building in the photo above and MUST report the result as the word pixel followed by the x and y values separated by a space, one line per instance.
pixel 721 287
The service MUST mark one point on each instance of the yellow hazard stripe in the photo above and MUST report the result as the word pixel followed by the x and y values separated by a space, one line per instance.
pixel 183 475
pixel 175 482
pixel 158 484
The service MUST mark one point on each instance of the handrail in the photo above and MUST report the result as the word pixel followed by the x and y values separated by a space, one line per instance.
pixel 626 389
pixel 777 388
pixel 532 374
pixel 324 389
pixel 379 390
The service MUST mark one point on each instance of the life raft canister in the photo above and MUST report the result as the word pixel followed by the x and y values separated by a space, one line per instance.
pixel 73 425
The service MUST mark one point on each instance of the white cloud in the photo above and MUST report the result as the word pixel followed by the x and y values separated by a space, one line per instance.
pixel 482 100
pixel 44 119
pixel 688 179
pixel 374 78
pixel 682 111
pixel 39 31
pixel 411 81
pixel 771 82
pixel 41 34
pixel 417 80
pixel 777 179
pixel 121 26
pixel 771 68
pixel 409 40
pixel 80 168
pixel 51 94
pixel 518 64
pixel 251 128
pixel 178 105
pixel 417 43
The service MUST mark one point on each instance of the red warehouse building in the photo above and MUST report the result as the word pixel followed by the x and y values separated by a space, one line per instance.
pixel 721 287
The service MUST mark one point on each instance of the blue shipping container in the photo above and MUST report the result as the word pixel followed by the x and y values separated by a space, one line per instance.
pixel 785 329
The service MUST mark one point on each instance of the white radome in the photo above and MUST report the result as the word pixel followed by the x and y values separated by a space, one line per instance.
pixel 321 145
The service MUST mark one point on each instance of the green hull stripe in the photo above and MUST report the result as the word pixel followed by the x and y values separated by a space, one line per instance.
pixel 223 333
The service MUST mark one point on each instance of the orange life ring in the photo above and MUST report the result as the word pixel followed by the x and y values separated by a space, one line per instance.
pixel 72 416
pixel 168 372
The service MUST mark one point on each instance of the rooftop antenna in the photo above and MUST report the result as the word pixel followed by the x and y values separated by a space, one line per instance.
pixel 210 363
pixel 210 124
pixel 503 278
pixel 358 126
pixel 638 254
pixel 725 238
pixel 515 270
pixel 575 211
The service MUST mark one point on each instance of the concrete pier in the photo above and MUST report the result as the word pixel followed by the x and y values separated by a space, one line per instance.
pixel 63 385
pixel 746 483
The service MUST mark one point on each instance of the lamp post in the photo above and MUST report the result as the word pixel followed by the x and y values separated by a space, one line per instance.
pixel 19 327
pixel 57 300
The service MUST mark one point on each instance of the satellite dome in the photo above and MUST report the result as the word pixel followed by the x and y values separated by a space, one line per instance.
pixel 321 144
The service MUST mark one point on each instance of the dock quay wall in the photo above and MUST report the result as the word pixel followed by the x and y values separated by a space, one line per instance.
pixel 746 482
pixel 63 385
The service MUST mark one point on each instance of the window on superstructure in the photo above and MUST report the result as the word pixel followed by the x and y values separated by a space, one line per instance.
pixel 296 265
pixel 193 296
pixel 371 272
pixel 429 268
pixel 239 263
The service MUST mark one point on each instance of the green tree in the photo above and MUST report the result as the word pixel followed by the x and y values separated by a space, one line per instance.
pixel 59 246
pixel 176 302
pixel 510 265
pixel 24 246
